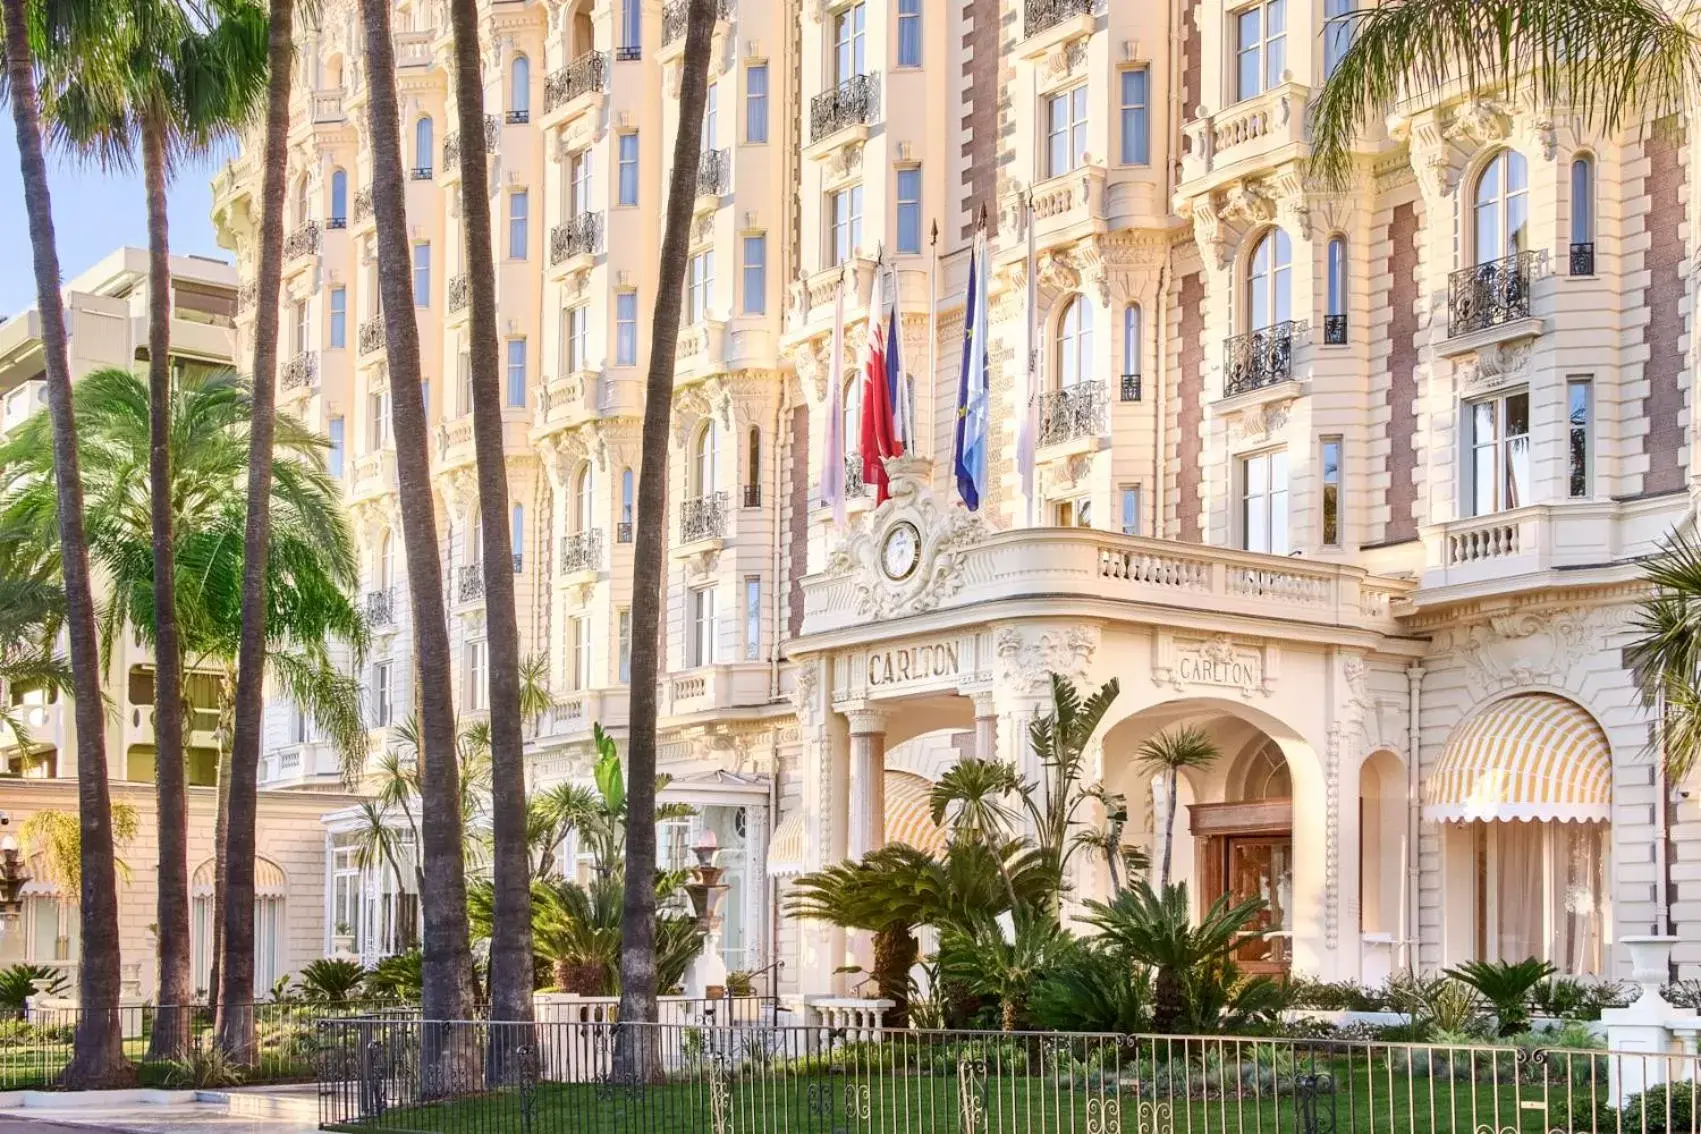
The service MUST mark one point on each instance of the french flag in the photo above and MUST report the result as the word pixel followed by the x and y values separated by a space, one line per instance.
pixel 883 430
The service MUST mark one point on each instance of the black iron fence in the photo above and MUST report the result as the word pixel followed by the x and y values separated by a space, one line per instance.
pixel 460 1078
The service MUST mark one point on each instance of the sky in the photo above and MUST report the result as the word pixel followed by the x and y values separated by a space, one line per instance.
pixel 94 212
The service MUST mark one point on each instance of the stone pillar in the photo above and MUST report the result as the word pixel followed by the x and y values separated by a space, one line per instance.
pixel 867 781
pixel 986 727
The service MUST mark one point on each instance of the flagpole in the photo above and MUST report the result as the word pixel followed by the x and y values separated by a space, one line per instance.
pixel 933 329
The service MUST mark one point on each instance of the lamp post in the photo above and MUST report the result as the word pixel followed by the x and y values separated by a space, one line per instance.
pixel 13 876
pixel 706 977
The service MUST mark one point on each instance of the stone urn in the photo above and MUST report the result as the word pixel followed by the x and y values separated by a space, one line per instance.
pixel 1650 964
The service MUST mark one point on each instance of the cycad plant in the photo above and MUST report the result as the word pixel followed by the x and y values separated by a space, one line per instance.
pixel 1004 957
pixel 1507 986
pixel 1166 754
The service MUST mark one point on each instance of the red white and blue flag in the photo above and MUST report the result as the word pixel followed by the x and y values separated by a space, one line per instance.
pixel 885 416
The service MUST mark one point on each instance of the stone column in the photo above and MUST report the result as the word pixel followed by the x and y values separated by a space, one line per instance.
pixel 867 781
pixel 986 726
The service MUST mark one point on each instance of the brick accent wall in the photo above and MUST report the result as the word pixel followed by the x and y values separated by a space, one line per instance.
pixel 1190 409
pixel 1402 374
pixel 797 527
pixel 1663 407
pixel 980 114
pixel 1191 53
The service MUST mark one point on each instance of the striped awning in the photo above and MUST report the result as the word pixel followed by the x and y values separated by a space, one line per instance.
pixel 909 819
pixel 1527 757
pixel 269 879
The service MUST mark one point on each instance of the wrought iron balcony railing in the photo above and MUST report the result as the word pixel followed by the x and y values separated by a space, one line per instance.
pixel 372 336
pixel 623 532
pixel 452 143
pixel 1490 294
pixel 1039 15
pixel 1130 387
pixel 459 292
pixel 628 53
pixel 587 73
pixel 380 608
pixel 1334 330
pixel 581 551
pixel 581 236
pixel 853 102
pixel 1258 358
pixel 703 518
pixel 336 223
pixel 1072 412
pixel 519 117
pixel 674 18
pixel 299 371
pixel 752 496
pixel 421 173
pixel 470 585
pixel 1583 259
pixel 713 171
pixel 304 241
pixel 362 205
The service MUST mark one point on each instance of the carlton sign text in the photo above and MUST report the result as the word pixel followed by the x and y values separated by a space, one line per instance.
pixel 913 663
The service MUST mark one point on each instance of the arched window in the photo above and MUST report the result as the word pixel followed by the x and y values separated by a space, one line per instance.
pixel 1335 317
pixel 584 498
pixel 628 505
pixel 517 534
pixel 339 199
pixel 386 562
pixel 302 199
pixel 520 89
pixel 475 539
pixel 1583 215
pixel 1502 207
pixel 584 31
pixel 753 468
pixel 850 420
pixel 704 460
pixel 1075 343
pixel 1132 325
pixel 1268 281
pixel 422 144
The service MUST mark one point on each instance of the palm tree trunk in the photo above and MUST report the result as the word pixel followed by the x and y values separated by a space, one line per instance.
pixel 1171 782
pixel 638 927
pixel 511 922
pixel 234 1021
pixel 221 823
pixel 168 1037
pixel 98 1060
pixel 447 967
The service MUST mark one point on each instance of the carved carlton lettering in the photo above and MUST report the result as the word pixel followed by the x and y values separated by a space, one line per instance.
pixel 913 663
pixel 1240 673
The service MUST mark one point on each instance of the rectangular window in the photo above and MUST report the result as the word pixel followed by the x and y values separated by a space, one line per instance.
pixel 624 633
pixel 626 328
pixel 377 420
pixel 334 459
pixel 575 340
pixel 422 274
pixel 711 115
pixel 1497 436
pixel 517 373
pixel 845 217
pixel 1136 137
pixel 339 317
pixel 463 371
pixel 702 644
pixel 756 275
pixel 1260 47
pixel 301 324
pixel 1130 509
pixel 628 188
pixel 1065 131
pixel 1264 502
pixel 756 103
pixel 1579 415
pixel 909 33
pixel 849 28
pixel 909 211
pixel 1337 33
pixel 477 683
pixel 579 183
pixel 699 283
pixel 1331 454
pixel 579 679
pixel 519 216
pixel 631 29
pixel 381 695
pixel 752 618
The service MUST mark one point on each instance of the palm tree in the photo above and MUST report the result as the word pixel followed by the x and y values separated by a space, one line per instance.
pixel 446 993
pixel 971 797
pixel 1666 655
pixel 535 697
pixel 378 845
pixel 1609 62
pixel 1166 754
pixel 32 609
pixel 637 943
pixel 98 1060
pixel 1060 740
pixel 1004 959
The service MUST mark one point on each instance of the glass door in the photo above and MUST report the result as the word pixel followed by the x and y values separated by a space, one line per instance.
pixel 1262 867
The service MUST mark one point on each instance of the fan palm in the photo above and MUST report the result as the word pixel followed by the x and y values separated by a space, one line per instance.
pixel 378 846
pixel 1166 754
pixel 1607 61
pixel 1666 653
pixel 971 798
pixel 32 608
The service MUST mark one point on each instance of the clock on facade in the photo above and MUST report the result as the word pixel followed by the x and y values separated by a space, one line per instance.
pixel 901 551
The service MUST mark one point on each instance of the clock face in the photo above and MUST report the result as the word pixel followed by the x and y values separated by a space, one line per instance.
pixel 901 551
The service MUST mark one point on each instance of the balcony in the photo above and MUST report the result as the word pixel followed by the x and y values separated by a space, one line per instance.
pixel 304 241
pixel 455 442
pixel 380 608
pixel 1041 16
pixel 703 518
pixel 1130 387
pixel 566 400
pixel 372 336
pixel 675 17
pixel 586 75
pixel 452 144
pixel 714 173
pixel 469 583
pixel 459 293
pixel 753 496
pixel 300 371
pixel 1583 259
pixel 848 108
pixel 1489 295
pixel 578 239
pixel 1524 543
pixel 1334 330
pixel 328 106
pixel 1072 413
pixel 1065 208
pixel 1258 359
pixel 581 551
pixel 1245 138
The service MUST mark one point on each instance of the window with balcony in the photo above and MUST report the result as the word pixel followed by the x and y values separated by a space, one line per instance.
pixel 705 455
pixel 626 328
pixel 1269 281
pixel 422 149
pixel 1501 207
pixel 584 498
pixel 1131 509
pixel 520 90
pixel 1075 405
pixel 909 211
pixel 702 645
pixel 1264 502
pixel 575 339
pixel 1260 34
pixel 579 679
pixel 756 103
pixel 1262 354
pixel 1075 343
pixel 1136 123
pixel 519 224
pixel 1076 513
pixel 478 686
pixel 1337 33
pixel 628 172
pixel 1330 453
pixel 1580 445
pixel 422 274
pixel 755 282
pixel 1065 130
pixel 752 618
pixel 1335 314
pixel 628 507
pixel 339 317
pixel 844 218
pixel 577 171
pixel 1582 215
pixel 623 644
pixel 699 285
pixel 849 43
pixel 301 327
pixel 517 535
pixel 516 373
pixel 1497 440
pixel 303 202
pixel 1133 339
pixel 339 199
pixel 909 33
pixel 377 420
pixel 1496 288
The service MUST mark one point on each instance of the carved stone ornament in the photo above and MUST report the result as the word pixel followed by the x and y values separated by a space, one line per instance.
pixel 947 534
pixel 1026 661
pixel 1477 123
pixel 1494 365
pixel 803 695
pixel 1257 423
pixel 1525 648
pixel 1248 204
pixel 845 161
pixel 1187 664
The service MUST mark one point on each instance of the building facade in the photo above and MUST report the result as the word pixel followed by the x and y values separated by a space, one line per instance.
pixel 1354 478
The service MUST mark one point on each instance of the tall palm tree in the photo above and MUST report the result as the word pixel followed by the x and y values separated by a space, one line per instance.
pixel 510 940
pixel 98 1059
pixel 637 942
pixel 32 610
pixel 1166 754
pixel 1609 62
pixel 973 796
pixel 1060 739
pixel 170 83
pixel 447 989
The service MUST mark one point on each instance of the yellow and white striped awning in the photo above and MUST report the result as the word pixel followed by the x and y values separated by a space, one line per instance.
pixel 1528 757
pixel 909 819
pixel 269 879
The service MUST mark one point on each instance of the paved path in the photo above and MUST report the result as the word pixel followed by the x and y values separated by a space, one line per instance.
pixel 145 1119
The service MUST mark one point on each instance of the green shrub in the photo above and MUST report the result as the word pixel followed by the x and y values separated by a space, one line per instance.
pixel 1336 996
pixel 1571 999
pixel 398 977
pixel 1507 986
pixel 17 984
pixel 331 980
